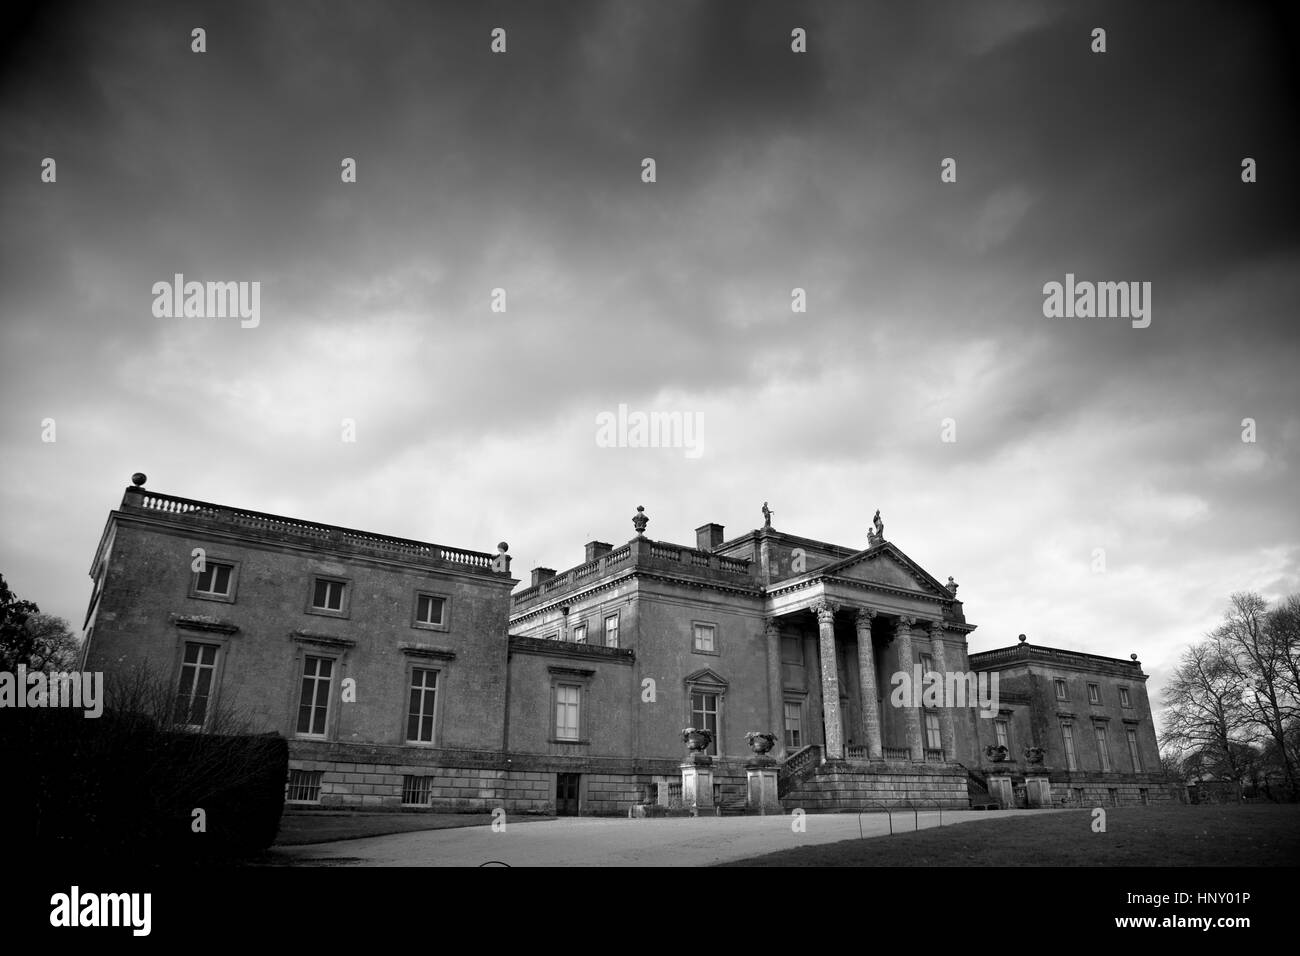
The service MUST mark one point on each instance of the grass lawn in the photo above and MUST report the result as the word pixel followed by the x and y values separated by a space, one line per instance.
pixel 1251 835
pixel 299 828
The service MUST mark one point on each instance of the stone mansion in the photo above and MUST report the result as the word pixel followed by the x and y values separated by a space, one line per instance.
pixel 405 674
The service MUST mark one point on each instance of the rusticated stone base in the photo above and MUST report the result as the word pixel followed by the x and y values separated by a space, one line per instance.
pixel 373 778
pixel 847 789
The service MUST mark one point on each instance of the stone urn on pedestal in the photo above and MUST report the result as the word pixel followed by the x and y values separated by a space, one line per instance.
pixel 761 774
pixel 1038 787
pixel 1001 787
pixel 697 770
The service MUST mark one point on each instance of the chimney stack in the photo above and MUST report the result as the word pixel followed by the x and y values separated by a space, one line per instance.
pixel 542 574
pixel 708 536
pixel 598 549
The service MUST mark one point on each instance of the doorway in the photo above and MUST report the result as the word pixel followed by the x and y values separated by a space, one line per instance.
pixel 566 794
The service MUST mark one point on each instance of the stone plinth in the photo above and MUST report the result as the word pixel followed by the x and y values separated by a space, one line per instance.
pixel 697 782
pixel 1001 788
pixel 1038 789
pixel 760 789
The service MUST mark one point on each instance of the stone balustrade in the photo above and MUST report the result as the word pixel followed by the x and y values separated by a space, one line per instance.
pixel 216 516
pixel 640 553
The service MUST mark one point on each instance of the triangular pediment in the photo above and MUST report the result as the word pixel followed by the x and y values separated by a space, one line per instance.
pixel 705 675
pixel 884 564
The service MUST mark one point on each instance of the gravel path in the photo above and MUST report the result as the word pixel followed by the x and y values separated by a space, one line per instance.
pixel 606 841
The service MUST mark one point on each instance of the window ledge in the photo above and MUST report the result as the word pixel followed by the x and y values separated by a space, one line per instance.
pixel 219 598
pixel 327 612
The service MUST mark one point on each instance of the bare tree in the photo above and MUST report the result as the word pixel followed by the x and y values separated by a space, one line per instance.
pixel 1255 648
pixel 1206 718
pixel 141 694
pixel 1283 625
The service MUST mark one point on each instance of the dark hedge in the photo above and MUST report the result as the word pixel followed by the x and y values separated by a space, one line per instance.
pixel 117 787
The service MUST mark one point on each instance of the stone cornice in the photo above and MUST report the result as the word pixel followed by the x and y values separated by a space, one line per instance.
pixel 325 640
pixel 815 578
pixel 202 622
pixel 567 649
pixel 1053 659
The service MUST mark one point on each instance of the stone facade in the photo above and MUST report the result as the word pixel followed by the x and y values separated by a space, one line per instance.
pixel 1089 714
pixel 406 676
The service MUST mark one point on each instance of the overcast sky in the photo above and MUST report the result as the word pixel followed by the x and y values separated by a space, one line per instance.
pixel 775 170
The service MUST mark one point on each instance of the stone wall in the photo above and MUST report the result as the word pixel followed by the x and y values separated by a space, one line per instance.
pixel 379 787
pixel 608 794
pixel 1093 794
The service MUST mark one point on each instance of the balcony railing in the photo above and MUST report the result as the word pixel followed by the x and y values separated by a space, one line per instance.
pixel 933 756
pixel 897 753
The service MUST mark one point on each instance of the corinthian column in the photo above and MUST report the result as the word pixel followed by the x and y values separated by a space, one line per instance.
pixel 830 681
pixel 911 718
pixel 867 681
pixel 775 689
pixel 946 706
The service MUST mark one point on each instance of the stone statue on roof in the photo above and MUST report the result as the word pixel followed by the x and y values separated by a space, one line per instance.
pixel 879 534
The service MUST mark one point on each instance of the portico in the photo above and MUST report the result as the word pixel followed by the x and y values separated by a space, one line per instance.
pixel 855 624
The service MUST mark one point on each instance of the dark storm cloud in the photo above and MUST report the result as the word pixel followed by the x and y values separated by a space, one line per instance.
pixel 775 171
